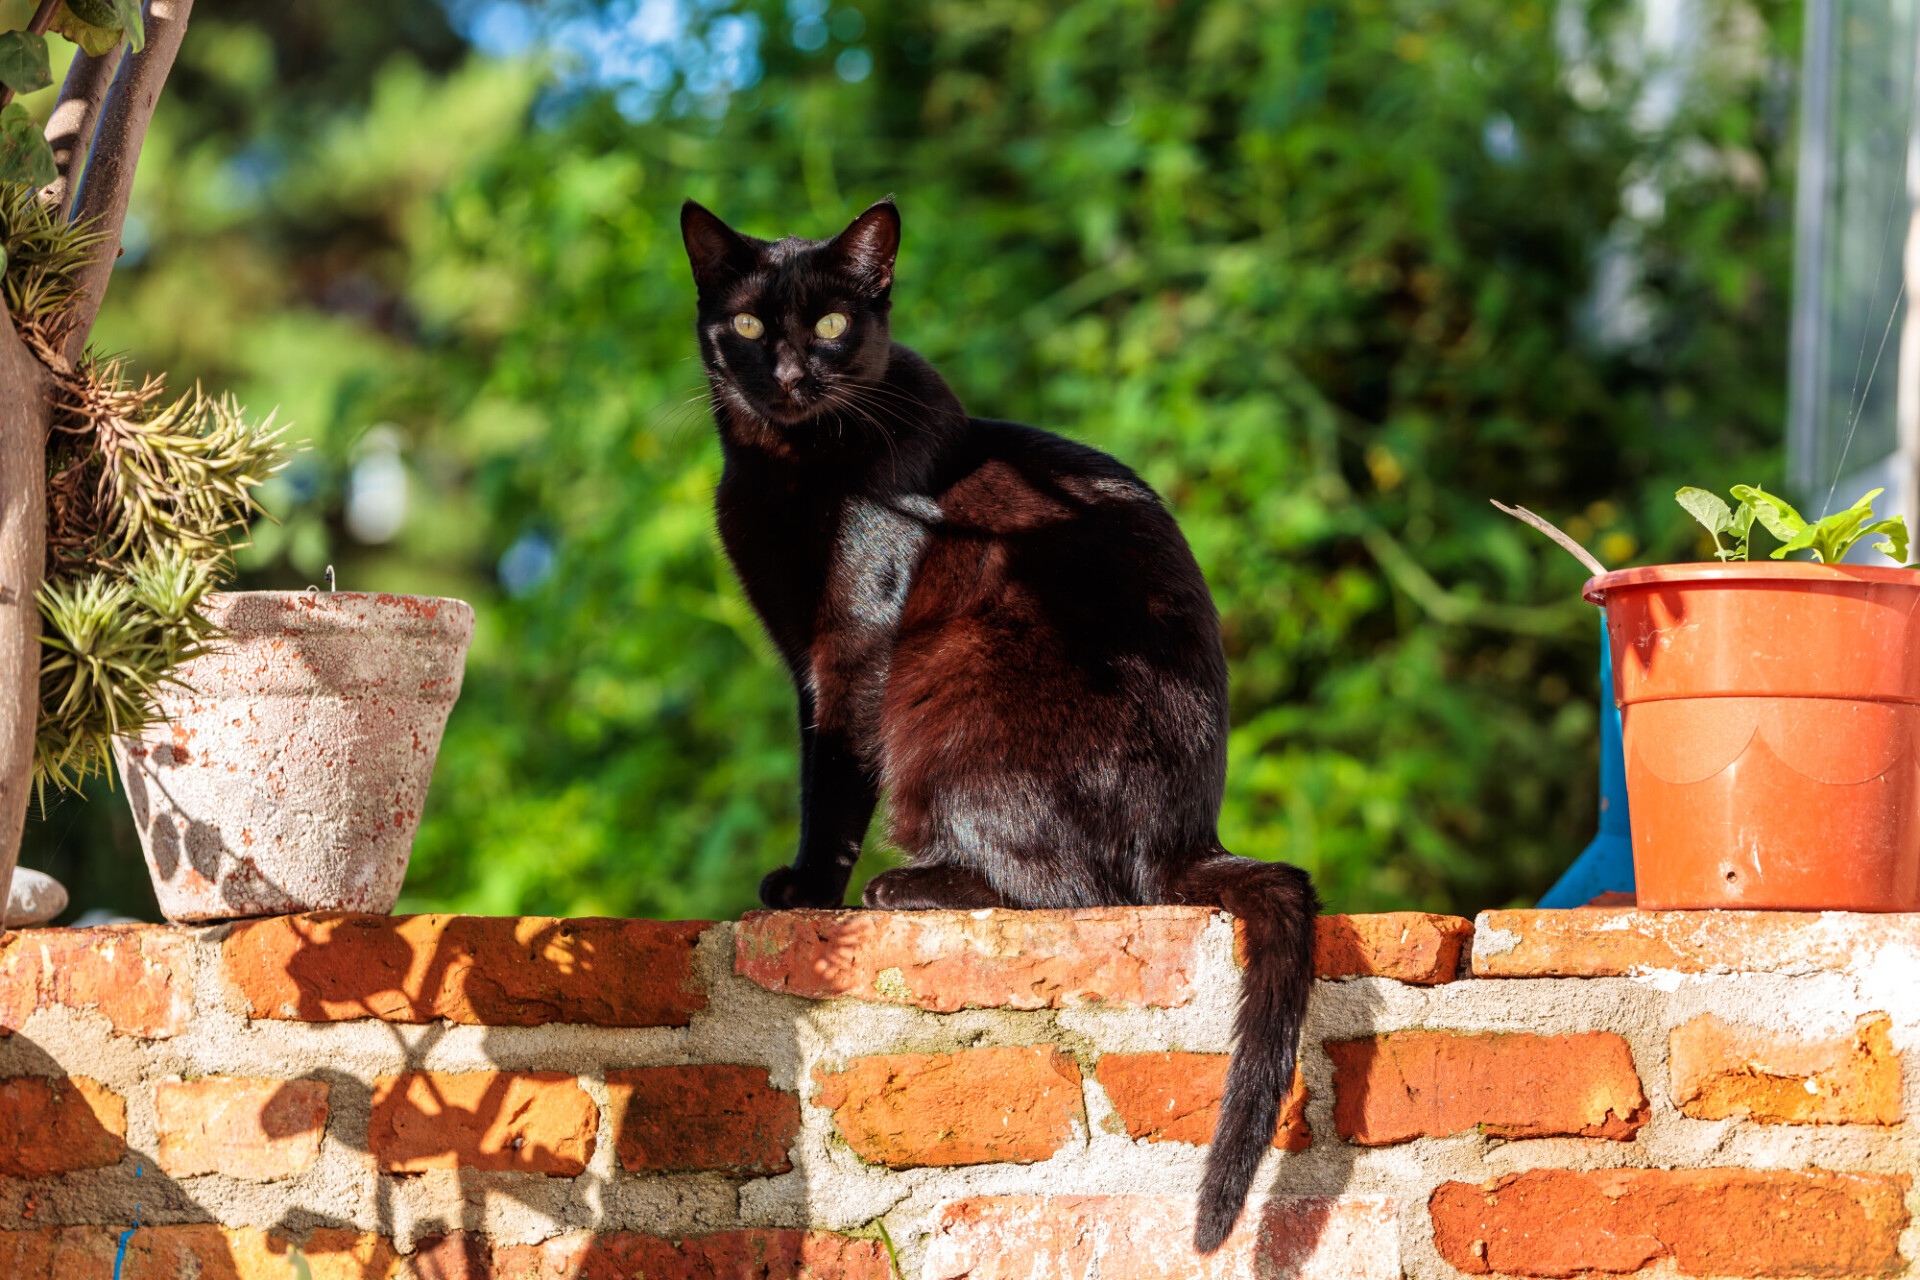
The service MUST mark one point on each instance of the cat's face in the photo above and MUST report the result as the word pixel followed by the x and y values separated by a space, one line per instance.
pixel 792 330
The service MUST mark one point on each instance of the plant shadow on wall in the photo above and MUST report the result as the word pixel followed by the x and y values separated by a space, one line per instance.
pixel 493 1023
pixel 46 1194
pixel 95 1174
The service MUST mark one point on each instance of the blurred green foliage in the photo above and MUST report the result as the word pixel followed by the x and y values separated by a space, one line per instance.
pixel 1329 276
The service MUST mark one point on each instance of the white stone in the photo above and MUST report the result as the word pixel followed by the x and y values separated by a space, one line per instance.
pixel 35 898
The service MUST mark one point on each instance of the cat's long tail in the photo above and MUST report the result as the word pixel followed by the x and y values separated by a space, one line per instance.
pixel 1276 905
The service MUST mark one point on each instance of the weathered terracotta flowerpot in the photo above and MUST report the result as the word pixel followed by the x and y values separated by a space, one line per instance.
pixel 1772 719
pixel 291 772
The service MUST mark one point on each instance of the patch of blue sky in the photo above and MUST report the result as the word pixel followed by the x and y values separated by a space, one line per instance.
pixel 683 57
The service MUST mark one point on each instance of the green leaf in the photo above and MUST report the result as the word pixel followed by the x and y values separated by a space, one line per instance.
pixel 1777 514
pixel 23 61
pixel 126 17
pixel 25 156
pixel 1707 508
pixel 1742 531
pixel 1864 505
pixel 1799 542
pixel 1837 533
pixel 95 38
pixel 1895 546
pixel 1833 536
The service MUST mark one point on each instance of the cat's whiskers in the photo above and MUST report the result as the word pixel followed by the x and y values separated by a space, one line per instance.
pixel 675 417
pixel 839 405
pixel 888 399
pixel 840 398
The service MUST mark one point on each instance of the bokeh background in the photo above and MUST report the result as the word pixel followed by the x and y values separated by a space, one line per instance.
pixel 1330 275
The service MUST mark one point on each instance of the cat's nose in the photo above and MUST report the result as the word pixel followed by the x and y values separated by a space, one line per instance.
pixel 787 371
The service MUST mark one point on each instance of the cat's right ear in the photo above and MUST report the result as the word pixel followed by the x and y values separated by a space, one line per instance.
pixel 866 249
pixel 718 252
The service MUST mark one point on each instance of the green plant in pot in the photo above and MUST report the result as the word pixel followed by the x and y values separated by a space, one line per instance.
pixel 1771 711
pixel 275 747
pixel 145 496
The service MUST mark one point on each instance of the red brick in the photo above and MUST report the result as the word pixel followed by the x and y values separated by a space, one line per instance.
pixel 1408 946
pixel 458 1255
pixel 1413 1084
pixel 947 960
pixel 731 1255
pixel 57 1253
pixel 136 976
pixel 201 1251
pixel 670 1119
pixel 1708 1222
pixel 57 1124
pixel 978 1106
pixel 1778 1078
pixel 1150 1238
pixel 1614 941
pixel 1175 1097
pixel 255 1129
pixel 520 1121
pixel 497 971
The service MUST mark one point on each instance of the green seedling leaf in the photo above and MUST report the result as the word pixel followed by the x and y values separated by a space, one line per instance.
pixel 1742 532
pixel 25 156
pixel 1829 539
pixel 23 61
pixel 1837 533
pixel 1777 514
pixel 1864 506
pixel 1833 536
pixel 1707 508
pixel 1895 546
pixel 1713 515
pixel 72 20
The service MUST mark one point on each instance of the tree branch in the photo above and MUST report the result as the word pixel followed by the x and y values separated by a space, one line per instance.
pixel 43 17
pixel 25 408
pixel 1455 609
pixel 75 116
pixel 116 152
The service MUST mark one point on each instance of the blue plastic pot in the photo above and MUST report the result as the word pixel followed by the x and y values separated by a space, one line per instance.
pixel 1606 864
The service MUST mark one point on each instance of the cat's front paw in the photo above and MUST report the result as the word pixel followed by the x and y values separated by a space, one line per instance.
pixel 884 894
pixel 786 889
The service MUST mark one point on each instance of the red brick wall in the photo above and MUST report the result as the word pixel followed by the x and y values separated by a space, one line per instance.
pixel 986 1094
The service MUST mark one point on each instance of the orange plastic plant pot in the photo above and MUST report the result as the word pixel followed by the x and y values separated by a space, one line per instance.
pixel 1770 715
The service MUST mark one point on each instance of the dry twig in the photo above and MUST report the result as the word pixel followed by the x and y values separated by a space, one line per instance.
pixel 1553 531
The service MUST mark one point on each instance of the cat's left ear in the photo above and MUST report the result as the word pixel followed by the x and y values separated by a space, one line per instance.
pixel 865 250
pixel 718 252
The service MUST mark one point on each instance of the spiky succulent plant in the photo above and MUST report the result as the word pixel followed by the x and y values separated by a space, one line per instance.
pixel 146 498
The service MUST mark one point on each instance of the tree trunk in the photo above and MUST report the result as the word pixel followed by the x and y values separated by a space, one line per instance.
pixel 25 408
pixel 100 122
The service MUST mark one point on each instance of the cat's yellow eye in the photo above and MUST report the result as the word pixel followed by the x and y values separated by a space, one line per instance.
pixel 748 326
pixel 831 325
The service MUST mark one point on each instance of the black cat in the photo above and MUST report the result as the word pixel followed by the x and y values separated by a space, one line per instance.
pixel 1002 629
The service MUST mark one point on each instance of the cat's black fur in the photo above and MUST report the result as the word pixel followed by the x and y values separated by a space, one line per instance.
pixel 1001 628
